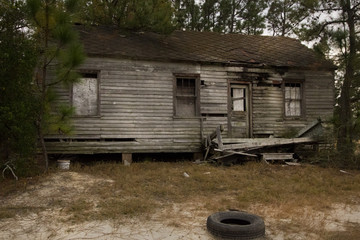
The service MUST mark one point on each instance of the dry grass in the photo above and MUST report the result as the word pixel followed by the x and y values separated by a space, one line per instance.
pixel 287 196
pixel 352 233
pixel 143 187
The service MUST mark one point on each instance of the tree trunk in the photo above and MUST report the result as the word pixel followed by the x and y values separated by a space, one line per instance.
pixel 43 147
pixel 346 118
pixel 44 90
pixel 232 17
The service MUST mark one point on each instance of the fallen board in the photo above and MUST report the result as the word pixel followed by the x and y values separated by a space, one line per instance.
pixel 277 156
pixel 249 143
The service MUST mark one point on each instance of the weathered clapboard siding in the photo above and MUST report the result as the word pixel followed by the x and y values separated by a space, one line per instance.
pixel 136 106
pixel 136 111
pixel 267 110
pixel 319 94
pixel 214 98
pixel 210 123
pixel 268 103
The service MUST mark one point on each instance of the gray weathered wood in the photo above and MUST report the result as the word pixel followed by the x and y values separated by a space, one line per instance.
pixel 236 153
pixel 136 102
pixel 265 142
pixel 277 156
pixel 219 129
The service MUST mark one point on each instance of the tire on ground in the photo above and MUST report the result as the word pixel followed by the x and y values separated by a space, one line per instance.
pixel 235 225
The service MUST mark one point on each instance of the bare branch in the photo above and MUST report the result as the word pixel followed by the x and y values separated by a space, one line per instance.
pixel 356 6
pixel 10 166
pixel 328 9
pixel 329 23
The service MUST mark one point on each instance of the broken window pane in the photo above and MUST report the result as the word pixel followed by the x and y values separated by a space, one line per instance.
pixel 85 97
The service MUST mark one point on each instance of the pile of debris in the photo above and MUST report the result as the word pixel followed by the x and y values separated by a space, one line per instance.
pixel 229 151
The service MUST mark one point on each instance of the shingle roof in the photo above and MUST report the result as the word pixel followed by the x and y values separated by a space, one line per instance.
pixel 199 47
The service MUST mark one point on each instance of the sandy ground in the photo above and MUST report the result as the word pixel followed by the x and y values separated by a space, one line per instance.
pixel 48 222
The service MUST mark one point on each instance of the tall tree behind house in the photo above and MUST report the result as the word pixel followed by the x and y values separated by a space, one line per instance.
pixel 335 25
pixel 284 17
pixel 225 16
pixel 253 18
pixel 153 15
pixel 187 15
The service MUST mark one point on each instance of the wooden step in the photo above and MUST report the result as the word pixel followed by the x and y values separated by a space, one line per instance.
pixel 277 156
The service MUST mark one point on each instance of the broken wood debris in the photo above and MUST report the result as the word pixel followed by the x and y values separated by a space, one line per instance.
pixel 251 143
pixel 266 157
pixel 230 150
pixel 208 140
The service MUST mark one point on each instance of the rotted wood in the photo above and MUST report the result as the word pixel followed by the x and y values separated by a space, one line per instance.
pixel 214 134
pixel 208 140
pixel 219 129
pixel 238 153
pixel 266 142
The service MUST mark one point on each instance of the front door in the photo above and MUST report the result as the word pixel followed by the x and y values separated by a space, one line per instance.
pixel 239 110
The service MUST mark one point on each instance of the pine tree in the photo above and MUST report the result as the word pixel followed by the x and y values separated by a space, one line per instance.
pixel 153 15
pixel 225 10
pixel 209 10
pixel 59 49
pixel 187 15
pixel 285 16
pixel 244 16
pixel 252 18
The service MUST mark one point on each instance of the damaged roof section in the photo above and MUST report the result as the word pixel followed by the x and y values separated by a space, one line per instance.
pixel 206 47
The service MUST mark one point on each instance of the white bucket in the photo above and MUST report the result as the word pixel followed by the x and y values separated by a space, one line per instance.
pixel 63 164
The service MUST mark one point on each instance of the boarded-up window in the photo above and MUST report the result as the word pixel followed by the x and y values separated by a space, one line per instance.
pixel 238 97
pixel 85 96
pixel 293 99
pixel 186 97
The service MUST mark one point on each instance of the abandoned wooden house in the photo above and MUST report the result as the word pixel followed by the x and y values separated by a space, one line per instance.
pixel 143 92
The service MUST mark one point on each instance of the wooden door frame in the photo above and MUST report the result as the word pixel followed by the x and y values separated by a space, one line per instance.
pixel 249 101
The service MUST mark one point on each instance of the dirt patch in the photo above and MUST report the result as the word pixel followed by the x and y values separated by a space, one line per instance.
pixel 44 211
pixel 59 187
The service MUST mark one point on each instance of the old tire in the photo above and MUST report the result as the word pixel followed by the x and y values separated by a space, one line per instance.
pixel 235 225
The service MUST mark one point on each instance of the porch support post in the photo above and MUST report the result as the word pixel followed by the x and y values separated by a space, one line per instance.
pixel 198 156
pixel 127 159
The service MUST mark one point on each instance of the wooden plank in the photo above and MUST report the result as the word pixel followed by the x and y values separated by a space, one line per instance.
pixel 236 153
pixel 277 156
pixel 292 164
pixel 223 156
pixel 265 142
pixel 219 129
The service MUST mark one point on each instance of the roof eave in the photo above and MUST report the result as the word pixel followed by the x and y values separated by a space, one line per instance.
pixel 330 67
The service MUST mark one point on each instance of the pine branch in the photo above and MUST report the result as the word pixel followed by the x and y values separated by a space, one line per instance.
pixel 356 6
pixel 329 23
pixel 61 79
pixel 327 9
